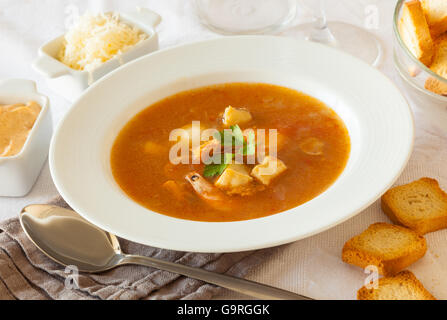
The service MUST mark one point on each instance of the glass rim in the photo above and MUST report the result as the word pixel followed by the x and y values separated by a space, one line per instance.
pixel 407 78
pixel 256 31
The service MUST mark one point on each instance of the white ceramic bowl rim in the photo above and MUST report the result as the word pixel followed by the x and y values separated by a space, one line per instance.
pixel 378 118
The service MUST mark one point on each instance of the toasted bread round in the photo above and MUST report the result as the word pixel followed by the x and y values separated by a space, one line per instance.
pixel 403 286
pixel 420 205
pixel 388 247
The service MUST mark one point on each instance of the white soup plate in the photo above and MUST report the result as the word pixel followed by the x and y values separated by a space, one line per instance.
pixel 378 119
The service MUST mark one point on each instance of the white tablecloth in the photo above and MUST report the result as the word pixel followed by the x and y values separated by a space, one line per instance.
pixel 312 266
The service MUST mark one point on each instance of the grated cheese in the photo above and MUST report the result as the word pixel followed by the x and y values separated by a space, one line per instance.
pixel 96 39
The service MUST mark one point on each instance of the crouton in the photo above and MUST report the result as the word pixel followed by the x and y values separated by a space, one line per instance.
pixel 439 66
pixel 388 247
pixel 436 15
pixel 402 286
pixel 415 33
pixel 420 205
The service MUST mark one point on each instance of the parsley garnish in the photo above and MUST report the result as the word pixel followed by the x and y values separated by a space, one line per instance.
pixel 250 146
pixel 233 141
pixel 217 165
pixel 238 136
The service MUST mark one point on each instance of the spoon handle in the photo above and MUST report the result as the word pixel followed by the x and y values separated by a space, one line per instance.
pixel 247 287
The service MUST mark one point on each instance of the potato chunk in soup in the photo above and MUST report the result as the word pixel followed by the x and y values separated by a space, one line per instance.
pixel 233 116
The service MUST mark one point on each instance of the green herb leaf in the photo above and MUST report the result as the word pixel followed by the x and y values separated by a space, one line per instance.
pixel 251 144
pixel 238 136
pixel 227 138
pixel 217 164
pixel 212 170
pixel 228 158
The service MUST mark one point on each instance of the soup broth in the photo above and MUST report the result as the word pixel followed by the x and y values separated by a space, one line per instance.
pixel 312 150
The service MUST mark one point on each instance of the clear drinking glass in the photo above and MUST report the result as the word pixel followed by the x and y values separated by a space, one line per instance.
pixel 246 16
pixel 267 16
pixel 354 40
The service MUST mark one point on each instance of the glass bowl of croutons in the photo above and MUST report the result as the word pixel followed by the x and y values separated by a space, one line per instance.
pixel 420 54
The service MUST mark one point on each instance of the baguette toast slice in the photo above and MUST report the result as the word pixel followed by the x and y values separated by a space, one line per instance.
pixel 388 247
pixel 436 15
pixel 403 286
pixel 420 205
pixel 439 66
pixel 415 33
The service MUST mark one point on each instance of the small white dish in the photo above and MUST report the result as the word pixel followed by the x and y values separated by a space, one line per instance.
pixel 70 83
pixel 19 173
pixel 378 118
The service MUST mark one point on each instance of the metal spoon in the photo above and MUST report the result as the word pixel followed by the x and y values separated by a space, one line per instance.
pixel 65 237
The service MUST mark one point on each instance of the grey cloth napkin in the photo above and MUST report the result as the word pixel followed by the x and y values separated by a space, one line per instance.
pixel 26 273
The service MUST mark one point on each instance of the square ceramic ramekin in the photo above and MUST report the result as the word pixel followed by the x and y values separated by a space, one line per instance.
pixel 19 173
pixel 70 83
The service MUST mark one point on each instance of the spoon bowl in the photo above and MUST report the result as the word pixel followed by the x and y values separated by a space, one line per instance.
pixel 65 237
